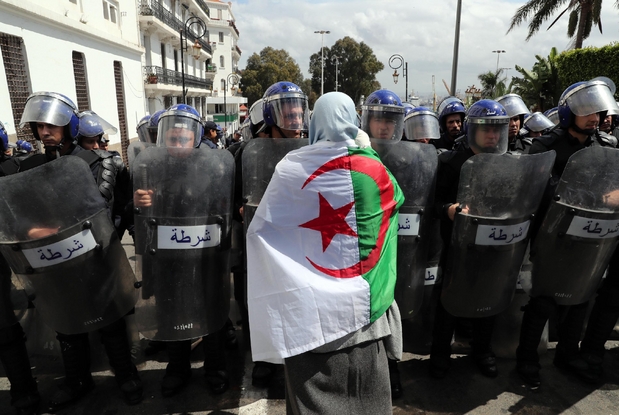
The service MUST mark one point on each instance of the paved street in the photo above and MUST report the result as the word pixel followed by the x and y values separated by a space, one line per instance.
pixel 463 391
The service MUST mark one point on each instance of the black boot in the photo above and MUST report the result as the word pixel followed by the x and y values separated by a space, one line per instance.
pixel 262 374
pixel 178 371
pixel 116 342
pixel 215 361
pixel 231 340
pixel 14 356
pixel 75 350
pixel 482 351
pixel 394 379
pixel 442 334
pixel 536 314
pixel 567 355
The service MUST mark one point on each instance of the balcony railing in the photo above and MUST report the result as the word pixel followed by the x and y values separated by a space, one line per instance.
pixel 204 7
pixel 159 75
pixel 237 49
pixel 155 8
pixel 231 23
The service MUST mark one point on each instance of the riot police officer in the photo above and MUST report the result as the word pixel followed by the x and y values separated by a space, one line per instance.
pixel 13 354
pixel 421 124
pixel 517 111
pixel 451 120
pixel 486 127
pixel 178 182
pixel 54 121
pixel 580 109
pixel 382 115
pixel 535 125
pixel 282 113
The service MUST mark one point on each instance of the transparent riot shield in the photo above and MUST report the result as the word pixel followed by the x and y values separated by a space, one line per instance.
pixel 260 156
pixel 133 150
pixel 414 167
pixel 182 241
pixel 56 234
pixel 499 195
pixel 579 233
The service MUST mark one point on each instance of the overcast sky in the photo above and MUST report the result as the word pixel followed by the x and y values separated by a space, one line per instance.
pixel 422 31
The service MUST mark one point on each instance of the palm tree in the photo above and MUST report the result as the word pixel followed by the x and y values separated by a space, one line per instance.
pixel 492 85
pixel 583 14
pixel 539 86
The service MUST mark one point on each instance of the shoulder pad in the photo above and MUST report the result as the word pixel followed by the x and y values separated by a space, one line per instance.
pixel 103 153
pixel 548 139
pixel 447 155
pixel 607 139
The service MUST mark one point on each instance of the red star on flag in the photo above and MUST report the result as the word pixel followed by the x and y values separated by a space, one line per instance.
pixel 330 221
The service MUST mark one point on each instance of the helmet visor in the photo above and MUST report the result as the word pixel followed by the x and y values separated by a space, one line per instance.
pixel 290 112
pixel 48 109
pixel 421 125
pixel 537 122
pixel 385 122
pixel 179 129
pixel 92 125
pixel 514 105
pixel 488 135
pixel 553 116
pixel 591 98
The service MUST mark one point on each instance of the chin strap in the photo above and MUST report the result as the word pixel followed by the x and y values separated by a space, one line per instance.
pixel 579 130
pixel 53 152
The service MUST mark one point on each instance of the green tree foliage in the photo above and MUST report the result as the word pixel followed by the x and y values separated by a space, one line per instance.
pixel 539 87
pixel 588 63
pixel 267 68
pixel 357 66
pixel 583 14
pixel 492 85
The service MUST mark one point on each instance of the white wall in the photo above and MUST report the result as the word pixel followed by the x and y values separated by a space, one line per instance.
pixel 49 40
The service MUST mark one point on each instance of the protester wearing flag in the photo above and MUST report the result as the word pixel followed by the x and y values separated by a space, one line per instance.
pixel 321 254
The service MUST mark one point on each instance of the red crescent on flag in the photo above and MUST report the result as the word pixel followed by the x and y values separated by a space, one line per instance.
pixel 377 172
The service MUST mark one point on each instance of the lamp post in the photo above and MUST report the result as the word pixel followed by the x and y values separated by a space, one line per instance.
pixel 396 62
pixel 337 62
pixel 454 64
pixel 322 59
pixel 498 55
pixel 201 26
pixel 234 80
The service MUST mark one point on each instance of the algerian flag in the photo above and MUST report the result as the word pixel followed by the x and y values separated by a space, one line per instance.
pixel 321 249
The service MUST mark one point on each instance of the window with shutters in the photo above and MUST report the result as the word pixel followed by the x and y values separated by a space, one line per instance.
pixel 81 83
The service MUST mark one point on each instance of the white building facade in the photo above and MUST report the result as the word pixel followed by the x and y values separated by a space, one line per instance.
pixel 205 60
pixel 223 105
pixel 120 58
pixel 87 50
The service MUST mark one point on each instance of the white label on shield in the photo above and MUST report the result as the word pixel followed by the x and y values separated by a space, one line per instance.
pixel 61 251
pixel 188 237
pixel 408 224
pixel 593 228
pixel 430 278
pixel 501 235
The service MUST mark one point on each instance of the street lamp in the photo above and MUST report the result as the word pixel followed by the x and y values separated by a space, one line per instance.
pixel 396 62
pixel 232 79
pixel 322 59
pixel 337 62
pixel 498 55
pixel 195 48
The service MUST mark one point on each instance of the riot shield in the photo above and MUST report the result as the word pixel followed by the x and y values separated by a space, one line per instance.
pixel 579 233
pixel 414 167
pixel 500 193
pixel 260 156
pixel 56 234
pixel 133 150
pixel 182 241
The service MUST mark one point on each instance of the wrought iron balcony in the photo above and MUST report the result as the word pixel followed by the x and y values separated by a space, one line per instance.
pixel 159 75
pixel 155 8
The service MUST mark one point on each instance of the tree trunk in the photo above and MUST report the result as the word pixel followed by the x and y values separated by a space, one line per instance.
pixel 585 10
